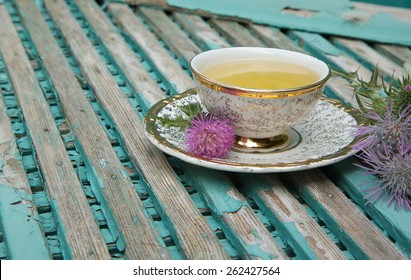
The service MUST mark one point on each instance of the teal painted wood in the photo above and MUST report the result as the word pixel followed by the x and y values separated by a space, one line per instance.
pixel 29 161
pixel 344 218
pixel 3 251
pixel 18 214
pixel 232 209
pixel 349 176
pixel 315 42
pixel 369 57
pixel 21 233
pixel 321 16
pixel 200 31
pixel 291 223
pixel 24 145
pixel 399 54
pixel 180 214
pixel 397 222
pixel 319 46
pixel 169 70
pixel 396 3
pixel 61 180
pixel 238 42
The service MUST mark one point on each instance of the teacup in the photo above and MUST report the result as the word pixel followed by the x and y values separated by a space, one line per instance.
pixel 261 115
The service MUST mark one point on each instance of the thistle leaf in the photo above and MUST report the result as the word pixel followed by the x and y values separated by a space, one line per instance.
pixel 178 122
pixel 191 110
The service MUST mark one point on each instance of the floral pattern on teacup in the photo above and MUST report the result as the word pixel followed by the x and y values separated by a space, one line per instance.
pixel 259 117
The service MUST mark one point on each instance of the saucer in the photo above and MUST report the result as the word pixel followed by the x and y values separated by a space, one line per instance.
pixel 324 137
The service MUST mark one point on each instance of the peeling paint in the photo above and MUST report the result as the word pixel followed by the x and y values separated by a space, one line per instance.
pixel 330 17
pixel 256 252
pixel 21 231
pixel 216 190
pixel 61 232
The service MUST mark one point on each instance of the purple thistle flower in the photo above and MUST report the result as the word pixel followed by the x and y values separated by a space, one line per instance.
pixel 408 88
pixel 394 170
pixel 210 136
pixel 391 130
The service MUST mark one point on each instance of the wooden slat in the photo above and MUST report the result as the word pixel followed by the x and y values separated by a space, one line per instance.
pixel 160 3
pixel 175 39
pixel 273 37
pixel 11 172
pixel 341 88
pixel 398 54
pixel 337 18
pixel 346 221
pixel 253 239
pixel 200 31
pixel 364 52
pixel 77 227
pixel 403 14
pixel 320 46
pixel 121 203
pixel 234 31
pixel 18 216
pixel 190 229
pixel 168 67
pixel 121 53
pixel 397 222
pixel 289 217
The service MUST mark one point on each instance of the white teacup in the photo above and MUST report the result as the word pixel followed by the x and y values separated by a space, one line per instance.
pixel 261 117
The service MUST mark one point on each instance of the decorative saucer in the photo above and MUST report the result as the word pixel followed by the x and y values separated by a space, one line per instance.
pixel 324 137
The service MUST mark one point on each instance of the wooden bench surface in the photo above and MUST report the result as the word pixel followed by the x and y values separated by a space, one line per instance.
pixel 79 180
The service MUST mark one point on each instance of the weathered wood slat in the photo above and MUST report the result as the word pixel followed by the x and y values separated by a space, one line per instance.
pixel 234 31
pixel 340 18
pixel 289 217
pixel 323 49
pixel 175 39
pixel 168 67
pixel 11 172
pixel 320 46
pixel 397 222
pixel 403 14
pixel 398 54
pixel 346 221
pixel 364 52
pixel 243 226
pixel 77 227
pixel 273 37
pixel 200 31
pixel 121 53
pixel 21 228
pixel 121 203
pixel 191 231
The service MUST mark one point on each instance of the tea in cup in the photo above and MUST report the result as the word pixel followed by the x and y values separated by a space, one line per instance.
pixel 263 91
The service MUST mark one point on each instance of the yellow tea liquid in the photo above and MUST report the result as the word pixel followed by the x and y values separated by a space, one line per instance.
pixel 262 74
